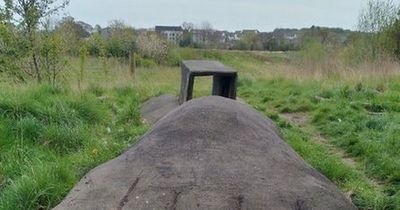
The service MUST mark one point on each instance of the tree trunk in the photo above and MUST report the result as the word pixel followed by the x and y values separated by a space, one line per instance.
pixel 36 66
pixel 34 56
pixel 54 76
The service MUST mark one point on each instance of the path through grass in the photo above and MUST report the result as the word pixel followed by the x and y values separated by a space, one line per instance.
pixel 343 116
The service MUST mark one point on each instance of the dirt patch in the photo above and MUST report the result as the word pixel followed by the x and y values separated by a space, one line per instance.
pixel 210 153
pixel 303 120
pixel 345 157
pixel 299 119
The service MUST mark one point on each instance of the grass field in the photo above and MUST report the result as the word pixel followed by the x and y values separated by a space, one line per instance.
pixel 342 120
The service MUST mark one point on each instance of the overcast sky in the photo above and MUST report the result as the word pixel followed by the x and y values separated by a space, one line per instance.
pixel 264 15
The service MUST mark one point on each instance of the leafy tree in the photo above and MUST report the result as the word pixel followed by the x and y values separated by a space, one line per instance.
pixel 29 14
pixel 72 33
pixel 374 20
pixel 96 45
pixel 394 34
pixel 51 54
pixel 152 46
pixel 10 52
pixel 6 11
pixel 122 39
pixel 250 41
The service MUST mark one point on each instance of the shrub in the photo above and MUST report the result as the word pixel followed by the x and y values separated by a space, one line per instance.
pixel 173 58
pixel 151 46
pixel 145 62
pixel 11 50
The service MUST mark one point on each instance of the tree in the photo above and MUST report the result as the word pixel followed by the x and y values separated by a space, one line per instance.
pixel 97 29
pixel 96 45
pixel 394 34
pixel 10 52
pixel 29 14
pixel 374 20
pixel 6 11
pixel 206 31
pixel 250 41
pixel 51 52
pixel 121 40
pixel 187 38
pixel 72 33
pixel 187 26
pixel 378 15
pixel 152 46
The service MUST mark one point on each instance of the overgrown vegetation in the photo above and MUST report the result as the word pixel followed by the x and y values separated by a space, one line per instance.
pixel 359 122
pixel 50 136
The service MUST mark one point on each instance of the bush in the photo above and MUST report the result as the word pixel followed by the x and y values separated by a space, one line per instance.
pixel 151 46
pixel 313 51
pixel 11 50
pixel 96 45
pixel 173 58
pixel 145 62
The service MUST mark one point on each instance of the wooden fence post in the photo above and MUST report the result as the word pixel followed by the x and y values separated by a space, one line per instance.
pixel 132 64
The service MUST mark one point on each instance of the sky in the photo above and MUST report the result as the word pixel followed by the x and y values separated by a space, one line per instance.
pixel 264 15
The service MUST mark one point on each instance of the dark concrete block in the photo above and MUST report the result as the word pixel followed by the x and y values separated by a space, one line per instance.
pixel 224 82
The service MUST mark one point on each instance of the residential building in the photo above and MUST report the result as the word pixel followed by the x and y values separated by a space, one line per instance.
pixel 250 31
pixel 171 33
pixel 200 36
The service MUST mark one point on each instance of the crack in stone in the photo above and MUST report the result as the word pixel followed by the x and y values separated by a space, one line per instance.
pixel 175 201
pixel 125 199
pixel 240 200
pixel 300 205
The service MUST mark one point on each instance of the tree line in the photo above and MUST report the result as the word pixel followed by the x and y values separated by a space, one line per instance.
pixel 33 45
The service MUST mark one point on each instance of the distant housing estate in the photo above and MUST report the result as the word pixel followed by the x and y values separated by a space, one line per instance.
pixel 247 39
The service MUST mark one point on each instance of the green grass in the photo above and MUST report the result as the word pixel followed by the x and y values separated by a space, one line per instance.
pixel 342 114
pixel 51 136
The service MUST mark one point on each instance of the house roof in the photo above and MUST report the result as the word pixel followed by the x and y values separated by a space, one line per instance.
pixel 169 28
pixel 250 31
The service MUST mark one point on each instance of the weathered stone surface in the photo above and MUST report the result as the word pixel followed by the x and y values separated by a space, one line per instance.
pixel 156 108
pixel 210 153
pixel 206 67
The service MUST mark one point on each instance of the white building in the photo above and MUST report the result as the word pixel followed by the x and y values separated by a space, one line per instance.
pixel 171 33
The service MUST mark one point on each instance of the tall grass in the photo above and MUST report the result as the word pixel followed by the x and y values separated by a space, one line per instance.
pixel 50 136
